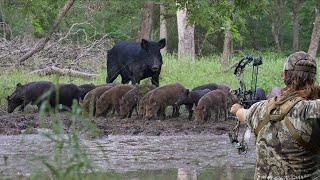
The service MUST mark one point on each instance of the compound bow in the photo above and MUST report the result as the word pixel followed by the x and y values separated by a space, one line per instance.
pixel 246 97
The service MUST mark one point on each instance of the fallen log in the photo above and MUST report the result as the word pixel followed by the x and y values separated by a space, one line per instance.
pixel 65 72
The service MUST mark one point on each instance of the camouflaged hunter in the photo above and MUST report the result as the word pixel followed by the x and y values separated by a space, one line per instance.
pixel 287 128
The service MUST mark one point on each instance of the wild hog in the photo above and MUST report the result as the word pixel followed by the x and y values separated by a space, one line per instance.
pixel 211 87
pixel 231 98
pixel 85 88
pixel 135 61
pixel 130 100
pixel 213 101
pixel 89 101
pixel 66 94
pixel 164 96
pixel 191 99
pixel 275 91
pixel 28 93
pixel 110 99
pixel 260 94
pixel 142 105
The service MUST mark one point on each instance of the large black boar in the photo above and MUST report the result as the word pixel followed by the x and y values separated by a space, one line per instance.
pixel 135 61
pixel 28 93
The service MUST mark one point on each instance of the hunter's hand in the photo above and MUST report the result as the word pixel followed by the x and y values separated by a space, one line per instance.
pixel 234 108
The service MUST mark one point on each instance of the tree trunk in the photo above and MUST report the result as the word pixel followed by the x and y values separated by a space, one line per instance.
pixel 315 35
pixel 55 26
pixel 147 21
pixel 226 46
pixel 296 25
pixel 186 47
pixel 275 34
pixel 163 26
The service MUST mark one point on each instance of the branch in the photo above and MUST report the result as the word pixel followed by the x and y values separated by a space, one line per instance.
pixel 64 72
pixel 95 43
pixel 41 44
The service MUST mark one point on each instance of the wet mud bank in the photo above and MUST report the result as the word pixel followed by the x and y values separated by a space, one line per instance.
pixel 29 121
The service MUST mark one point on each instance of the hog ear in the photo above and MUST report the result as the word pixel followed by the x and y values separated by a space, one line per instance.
pixel 187 92
pixel 194 107
pixel 162 43
pixel 144 44
pixel 19 85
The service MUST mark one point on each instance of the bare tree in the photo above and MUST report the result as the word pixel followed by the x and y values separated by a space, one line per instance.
pixel 186 46
pixel 163 26
pixel 296 25
pixel 314 42
pixel 55 26
pixel 147 21
pixel 226 45
pixel 276 14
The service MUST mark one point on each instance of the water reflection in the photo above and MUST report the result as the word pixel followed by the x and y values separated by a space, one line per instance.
pixel 214 173
pixel 187 157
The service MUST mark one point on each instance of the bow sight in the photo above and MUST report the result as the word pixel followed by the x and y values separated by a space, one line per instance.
pixel 247 97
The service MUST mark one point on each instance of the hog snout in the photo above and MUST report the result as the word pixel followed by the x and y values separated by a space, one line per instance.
pixel 155 68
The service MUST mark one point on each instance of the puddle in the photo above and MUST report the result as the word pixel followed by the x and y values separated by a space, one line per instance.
pixel 137 157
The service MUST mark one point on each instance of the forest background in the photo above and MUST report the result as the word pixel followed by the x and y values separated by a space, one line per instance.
pixel 204 36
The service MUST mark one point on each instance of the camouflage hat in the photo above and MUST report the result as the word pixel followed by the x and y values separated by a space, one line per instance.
pixel 301 61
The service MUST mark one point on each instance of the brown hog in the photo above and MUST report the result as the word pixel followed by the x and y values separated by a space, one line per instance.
pixel 89 101
pixel 213 101
pixel 111 99
pixel 142 105
pixel 130 100
pixel 164 96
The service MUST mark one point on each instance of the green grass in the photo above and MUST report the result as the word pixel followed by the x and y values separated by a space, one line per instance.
pixel 189 73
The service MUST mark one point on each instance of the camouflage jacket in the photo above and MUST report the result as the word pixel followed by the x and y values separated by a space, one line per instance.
pixel 279 156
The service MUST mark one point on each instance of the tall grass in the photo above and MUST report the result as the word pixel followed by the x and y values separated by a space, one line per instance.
pixel 189 72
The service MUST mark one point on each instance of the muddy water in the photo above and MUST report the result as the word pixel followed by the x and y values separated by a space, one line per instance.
pixel 191 155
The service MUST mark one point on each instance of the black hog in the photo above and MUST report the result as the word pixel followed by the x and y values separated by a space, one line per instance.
pixel 130 100
pixel 84 89
pixel 192 99
pixel 135 61
pixel 260 94
pixel 162 97
pixel 67 93
pixel 28 93
pixel 212 86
